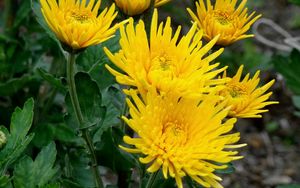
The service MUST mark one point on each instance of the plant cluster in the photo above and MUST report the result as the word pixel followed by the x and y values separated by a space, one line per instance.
pixel 136 95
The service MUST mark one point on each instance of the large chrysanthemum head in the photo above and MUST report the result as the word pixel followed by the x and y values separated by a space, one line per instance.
pixel 78 24
pixel 135 7
pixel 165 62
pixel 183 137
pixel 224 19
pixel 245 98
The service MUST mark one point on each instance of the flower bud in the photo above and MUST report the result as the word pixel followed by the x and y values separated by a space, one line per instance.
pixel 2 139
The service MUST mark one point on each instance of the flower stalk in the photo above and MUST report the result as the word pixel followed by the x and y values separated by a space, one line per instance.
pixel 76 106
pixel 152 179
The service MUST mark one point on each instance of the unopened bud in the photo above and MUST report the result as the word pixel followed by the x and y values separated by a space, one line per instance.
pixel 2 139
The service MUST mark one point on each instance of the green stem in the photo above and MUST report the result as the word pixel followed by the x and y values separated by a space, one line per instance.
pixel 76 106
pixel 152 179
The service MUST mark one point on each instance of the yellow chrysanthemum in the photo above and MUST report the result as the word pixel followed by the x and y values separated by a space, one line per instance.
pixel 224 19
pixel 182 136
pixel 135 7
pixel 166 63
pixel 244 98
pixel 78 24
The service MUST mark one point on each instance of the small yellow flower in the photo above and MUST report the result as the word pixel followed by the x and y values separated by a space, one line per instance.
pixel 244 98
pixel 182 136
pixel 224 19
pixel 78 24
pixel 165 62
pixel 135 7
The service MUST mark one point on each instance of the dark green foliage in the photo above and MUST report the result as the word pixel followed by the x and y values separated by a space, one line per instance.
pixel 297 2
pixel 18 137
pixel 37 173
pixel 289 67
pixel 90 101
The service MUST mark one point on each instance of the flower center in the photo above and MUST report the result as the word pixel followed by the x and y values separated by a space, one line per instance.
pixel 237 91
pixel 163 63
pixel 162 68
pixel 79 16
pixel 223 17
pixel 174 133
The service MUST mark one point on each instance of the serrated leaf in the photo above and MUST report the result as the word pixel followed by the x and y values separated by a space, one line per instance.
pixel 90 101
pixel 29 173
pixel 55 82
pixel 18 139
pixel 13 85
pixel 289 67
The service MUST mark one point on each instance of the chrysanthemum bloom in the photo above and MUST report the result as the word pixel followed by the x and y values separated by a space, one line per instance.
pixel 78 24
pixel 181 66
pixel 182 137
pixel 133 7
pixel 224 19
pixel 245 99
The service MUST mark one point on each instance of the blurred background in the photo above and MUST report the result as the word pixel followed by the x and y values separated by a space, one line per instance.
pixel 272 157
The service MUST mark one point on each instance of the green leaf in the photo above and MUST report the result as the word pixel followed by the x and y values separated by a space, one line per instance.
pixel 55 82
pixel 90 101
pixel 63 133
pixel 111 155
pixel 93 61
pixel 18 139
pixel 296 101
pixel 297 2
pixel 114 101
pixel 53 185
pixel 289 67
pixel 13 85
pixel 4 181
pixel 46 132
pixel 289 186
pixel 30 173
pixel 78 170
pixel 22 13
